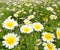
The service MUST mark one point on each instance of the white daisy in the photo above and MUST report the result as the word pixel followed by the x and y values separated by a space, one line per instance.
pixel 53 17
pixel 28 4
pixel 45 19
pixel 36 48
pixel 9 24
pixel 24 12
pixel 19 6
pixel 13 9
pixel 38 26
pixel 10 40
pixel 26 21
pixel 34 13
pixel 49 46
pixel 9 16
pixel 49 8
pixel 38 42
pixel 2 14
pixel 15 15
pixel 31 17
pixel 49 37
pixel 58 33
pixel 58 48
pixel 7 8
pixel 26 29
pixel 55 5
pixel 30 10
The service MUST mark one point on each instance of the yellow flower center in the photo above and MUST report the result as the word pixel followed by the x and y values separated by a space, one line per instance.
pixel 48 36
pixel 58 34
pixel 10 40
pixel 37 26
pixel 49 8
pixel 9 24
pixel 53 17
pixel 31 17
pixel 50 46
pixel 26 29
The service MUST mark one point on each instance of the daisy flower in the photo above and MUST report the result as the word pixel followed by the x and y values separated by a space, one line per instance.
pixel 9 24
pixel 49 8
pixel 28 4
pixel 58 48
pixel 31 17
pixel 36 48
pixel 45 19
pixel 19 6
pixel 15 15
pixel 58 33
pixel 13 9
pixel 53 17
pixel 49 37
pixel 7 8
pixel 38 26
pixel 26 21
pixel 9 16
pixel 30 10
pixel 2 14
pixel 24 12
pixel 55 5
pixel 34 13
pixel 26 29
pixel 10 40
pixel 49 46
pixel 38 42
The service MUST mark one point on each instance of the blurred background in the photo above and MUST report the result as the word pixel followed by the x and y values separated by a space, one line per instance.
pixel 37 1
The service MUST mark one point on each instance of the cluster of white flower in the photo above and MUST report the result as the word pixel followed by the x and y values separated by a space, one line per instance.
pixel 47 37
pixel 52 10
pixel 29 26
pixel 12 39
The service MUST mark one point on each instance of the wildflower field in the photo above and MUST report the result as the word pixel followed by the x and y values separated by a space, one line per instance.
pixel 30 25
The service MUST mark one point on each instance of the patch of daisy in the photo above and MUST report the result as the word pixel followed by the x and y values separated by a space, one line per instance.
pixel 31 17
pixel 13 9
pixel 34 13
pixel 45 19
pixel 53 17
pixel 49 37
pixel 24 12
pixel 38 26
pixel 2 14
pixel 38 42
pixel 55 5
pixel 16 15
pixel 19 6
pixel 58 33
pixel 58 49
pixel 28 4
pixel 10 40
pixel 30 10
pixel 9 24
pixel 7 8
pixel 26 21
pixel 9 16
pixel 49 46
pixel 50 9
pixel 26 29
pixel 36 48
